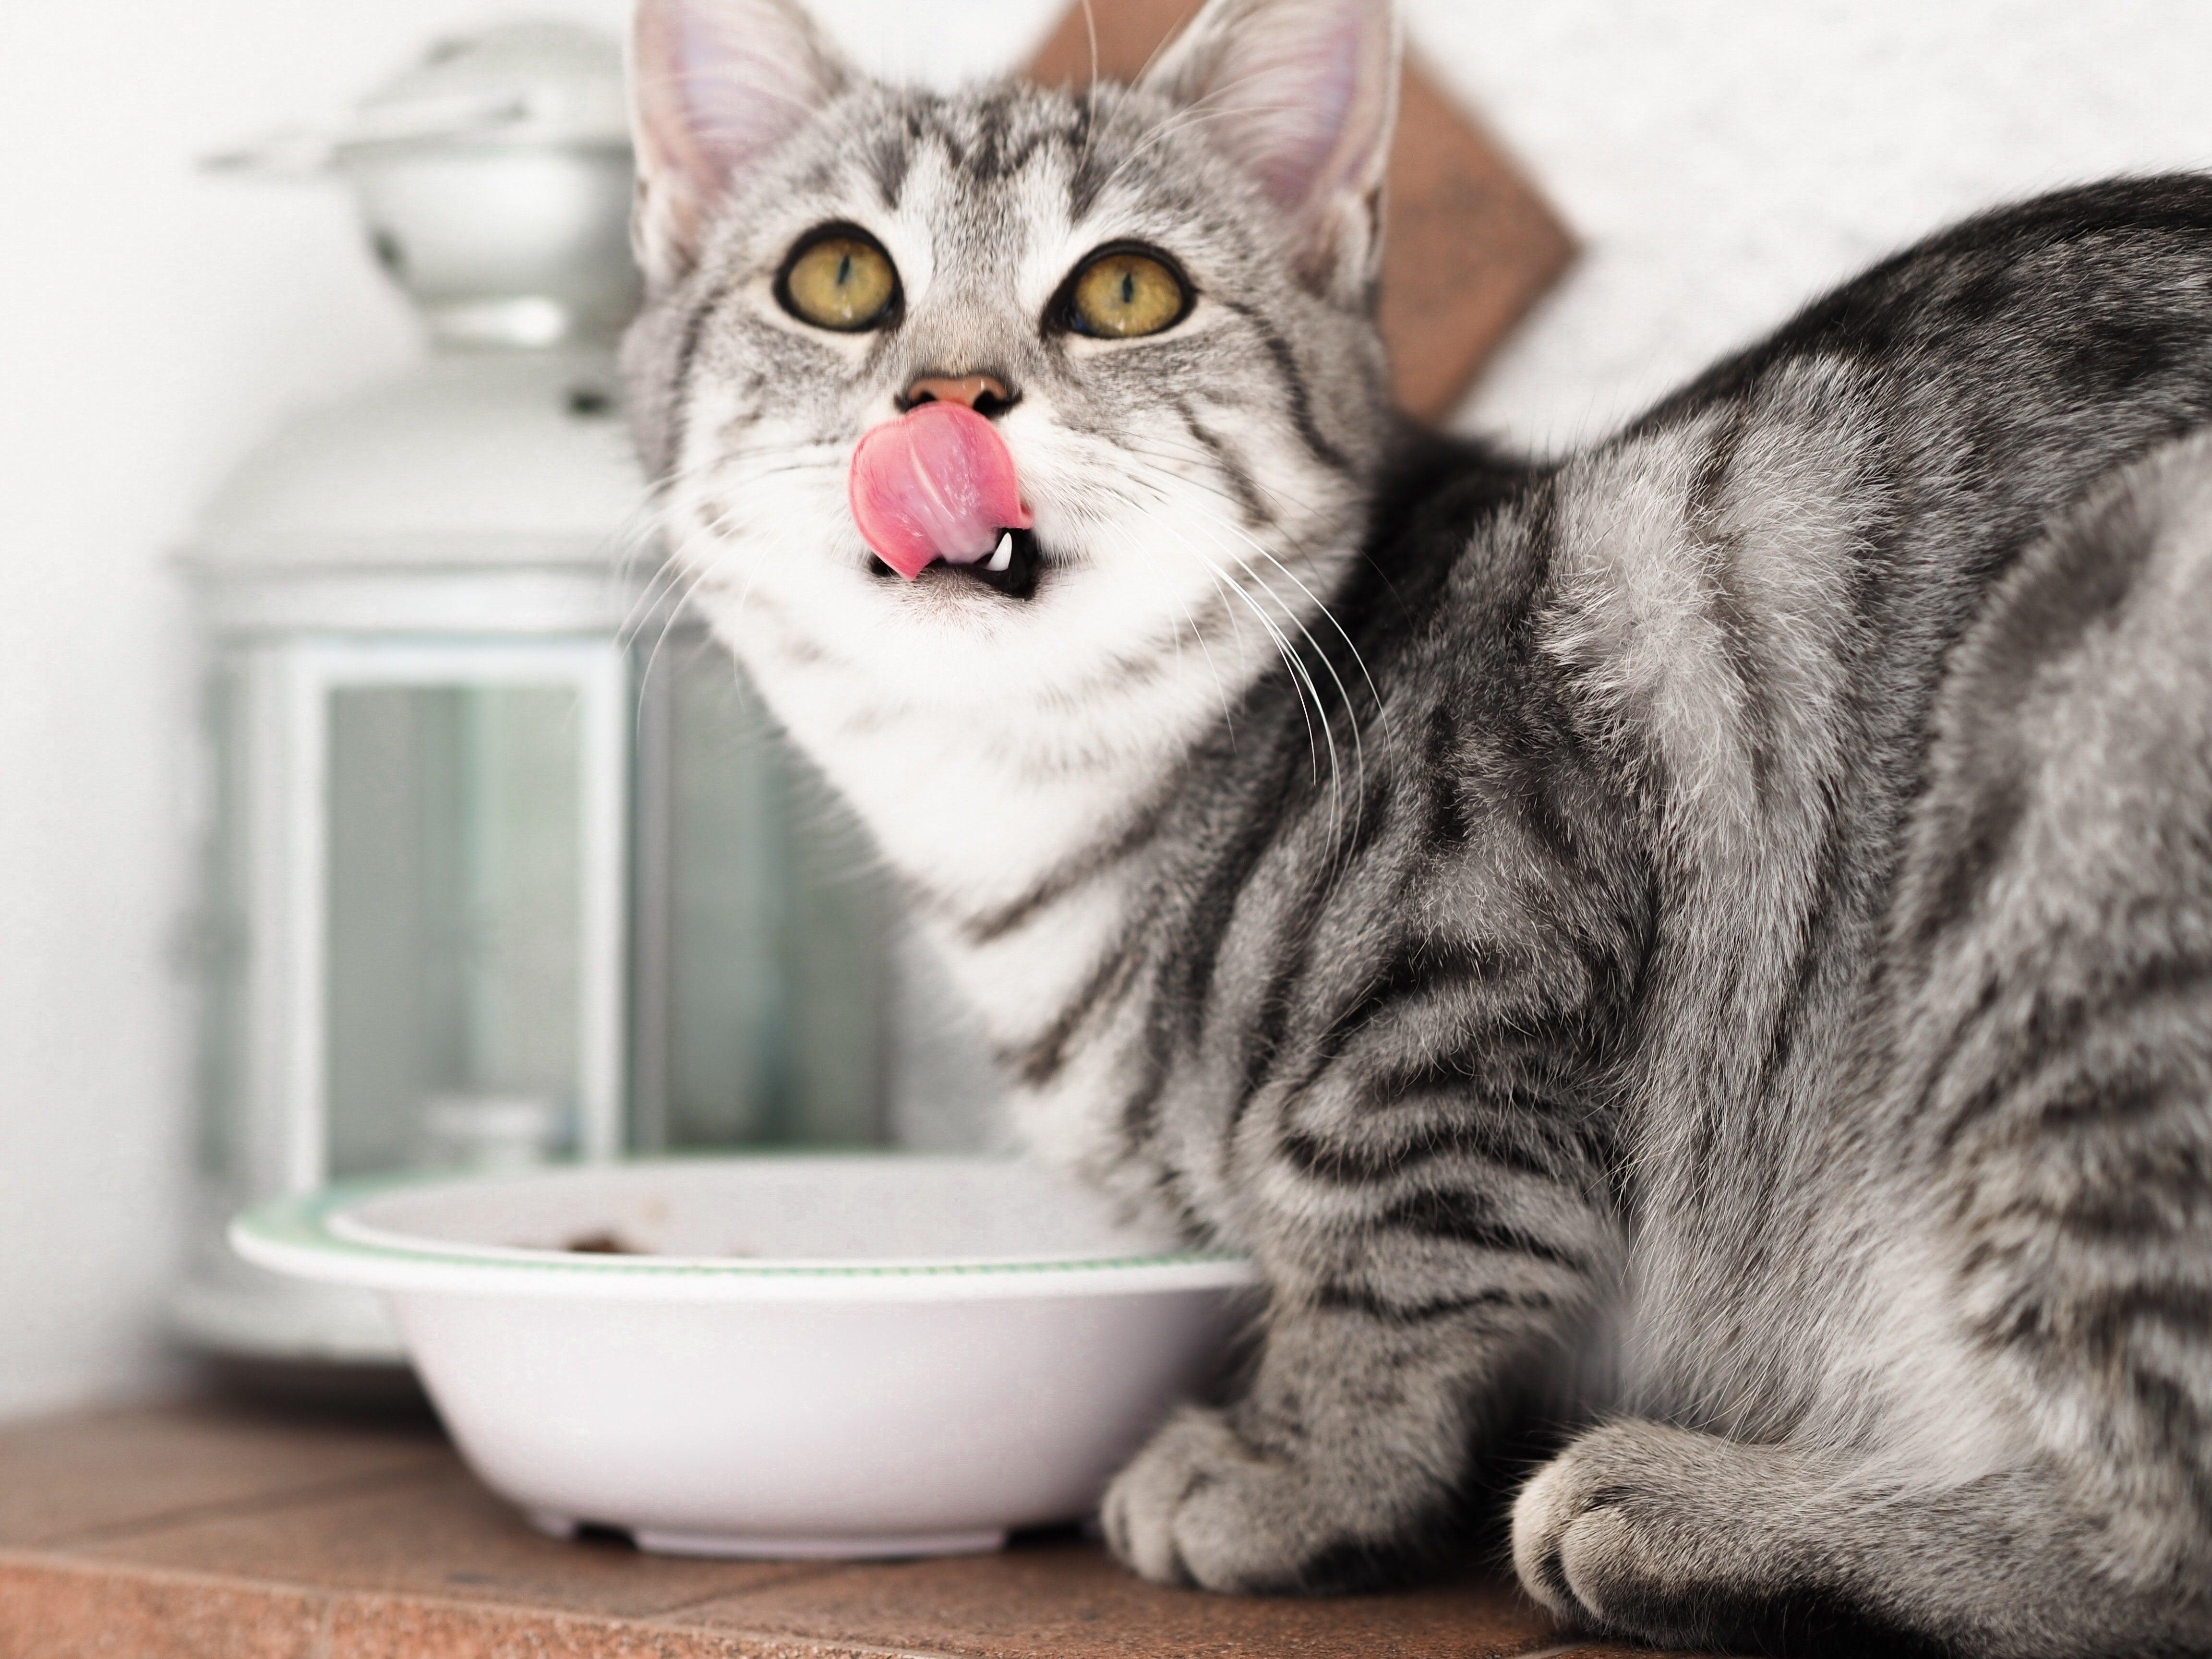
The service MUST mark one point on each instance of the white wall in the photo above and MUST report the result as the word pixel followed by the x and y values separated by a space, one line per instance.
pixel 1723 159
pixel 153 323
pixel 1726 160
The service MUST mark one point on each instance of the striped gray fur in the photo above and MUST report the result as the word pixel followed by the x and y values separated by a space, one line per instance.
pixel 1703 947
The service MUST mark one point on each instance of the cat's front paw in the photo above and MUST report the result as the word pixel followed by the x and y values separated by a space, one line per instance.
pixel 1199 1507
pixel 1574 1547
pixel 1645 1530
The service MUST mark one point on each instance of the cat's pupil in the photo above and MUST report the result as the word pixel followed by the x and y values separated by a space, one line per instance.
pixel 1129 288
pixel 844 269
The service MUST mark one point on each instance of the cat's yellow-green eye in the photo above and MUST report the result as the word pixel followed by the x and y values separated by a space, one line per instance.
pixel 840 281
pixel 1123 294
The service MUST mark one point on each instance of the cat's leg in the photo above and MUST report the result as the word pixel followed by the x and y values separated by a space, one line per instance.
pixel 1412 1125
pixel 1429 1272
pixel 1338 1462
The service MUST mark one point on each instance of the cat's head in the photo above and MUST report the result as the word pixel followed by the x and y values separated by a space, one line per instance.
pixel 1159 297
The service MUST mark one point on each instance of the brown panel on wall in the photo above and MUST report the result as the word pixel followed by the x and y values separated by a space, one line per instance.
pixel 1472 243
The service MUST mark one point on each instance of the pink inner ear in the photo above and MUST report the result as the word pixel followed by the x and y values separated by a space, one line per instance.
pixel 716 84
pixel 738 99
pixel 1298 92
pixel 1295 140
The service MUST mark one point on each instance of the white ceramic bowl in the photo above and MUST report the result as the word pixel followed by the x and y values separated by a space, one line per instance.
pixel 844 1355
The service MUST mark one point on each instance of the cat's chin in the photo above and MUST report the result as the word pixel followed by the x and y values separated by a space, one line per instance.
pixel 1015 577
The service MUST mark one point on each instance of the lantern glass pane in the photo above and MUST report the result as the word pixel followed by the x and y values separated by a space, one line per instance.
pixel 455 879
pixel 777 976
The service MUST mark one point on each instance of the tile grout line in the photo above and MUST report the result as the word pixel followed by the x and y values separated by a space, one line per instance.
pixel 186 1514
pixel 63 1545
pixel 368 1482
pixel 670 1622
pixel 801 1572
pixel 833 1643
pixel 328 1600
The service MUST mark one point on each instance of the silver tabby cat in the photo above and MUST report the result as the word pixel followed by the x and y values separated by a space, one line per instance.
pixel 1705 944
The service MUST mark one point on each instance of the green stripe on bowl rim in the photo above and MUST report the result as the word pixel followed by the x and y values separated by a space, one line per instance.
pixel 296 1237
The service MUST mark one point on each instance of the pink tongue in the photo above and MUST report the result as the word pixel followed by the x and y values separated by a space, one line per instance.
pixel 937 483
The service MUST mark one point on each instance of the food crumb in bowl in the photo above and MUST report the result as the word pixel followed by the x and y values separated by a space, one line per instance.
pixel 604 1243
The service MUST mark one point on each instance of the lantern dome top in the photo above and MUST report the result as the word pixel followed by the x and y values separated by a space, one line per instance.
pixel 538 82
pixel 477 461
pixel 535 83
pixel 494 182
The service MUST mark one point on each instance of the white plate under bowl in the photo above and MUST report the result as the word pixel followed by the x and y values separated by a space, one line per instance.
pixel 850 1355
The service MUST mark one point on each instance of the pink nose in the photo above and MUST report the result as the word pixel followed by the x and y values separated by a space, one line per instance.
pixel 987 394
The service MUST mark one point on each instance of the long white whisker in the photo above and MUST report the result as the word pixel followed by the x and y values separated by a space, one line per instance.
pixel 1360 757
pixel 1303 676
pixel 1226 496
pixel 1167 446
pixel 652 657
pixel 1373 690
pixel 1213 668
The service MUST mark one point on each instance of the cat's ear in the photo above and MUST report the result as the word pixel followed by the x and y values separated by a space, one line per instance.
pixel 714 86
pixel 1302 94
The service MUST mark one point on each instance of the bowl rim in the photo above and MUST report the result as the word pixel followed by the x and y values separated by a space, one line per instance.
pixel 320 1235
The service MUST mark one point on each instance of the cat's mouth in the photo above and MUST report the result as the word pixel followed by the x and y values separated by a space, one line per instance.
pixel 1011 569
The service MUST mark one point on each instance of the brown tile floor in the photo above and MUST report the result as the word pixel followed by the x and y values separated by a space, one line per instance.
pixel 210 1532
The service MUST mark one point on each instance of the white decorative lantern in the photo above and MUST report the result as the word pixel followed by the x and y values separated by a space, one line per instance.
pixel 503 863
